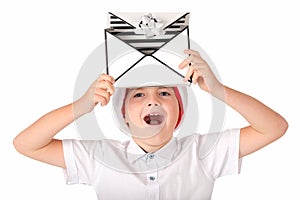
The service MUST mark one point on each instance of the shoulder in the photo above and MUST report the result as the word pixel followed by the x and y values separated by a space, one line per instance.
pixel 93 146
pixel 205 144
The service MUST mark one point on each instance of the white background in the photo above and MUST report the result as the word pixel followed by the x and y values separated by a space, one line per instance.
pixel 255 46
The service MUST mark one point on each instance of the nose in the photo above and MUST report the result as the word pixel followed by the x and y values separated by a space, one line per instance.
pixel 150 104
pixel 153 101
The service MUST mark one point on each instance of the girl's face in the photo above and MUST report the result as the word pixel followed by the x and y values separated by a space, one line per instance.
pixel 151 110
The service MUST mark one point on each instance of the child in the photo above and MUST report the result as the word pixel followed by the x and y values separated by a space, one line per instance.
pixel 155 165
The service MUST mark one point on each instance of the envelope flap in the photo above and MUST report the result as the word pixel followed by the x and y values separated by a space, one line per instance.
pixel 125 26
pixel 134 18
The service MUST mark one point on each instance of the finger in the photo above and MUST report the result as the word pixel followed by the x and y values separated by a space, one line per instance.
pixel 102 96
pixel 100 99
pixel 107 78
pixel 189 74
pixel 106 101
pixel 195 59
pixel 111 89
pixel 102 92
pixel 106 86
pixel 184 63
pixel 191 52
pixel 195 77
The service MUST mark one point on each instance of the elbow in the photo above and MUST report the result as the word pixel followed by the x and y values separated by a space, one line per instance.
pixel 285 127
pixel 282 127
pixel 279 128
pixel 19 145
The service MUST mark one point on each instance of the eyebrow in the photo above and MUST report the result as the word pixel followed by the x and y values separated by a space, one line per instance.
pixel 158 87
pixel 131 90
pixel 141 89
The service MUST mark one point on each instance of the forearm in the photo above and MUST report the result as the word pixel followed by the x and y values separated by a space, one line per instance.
pixel 260 117
pixel 37 141
pixel 41 132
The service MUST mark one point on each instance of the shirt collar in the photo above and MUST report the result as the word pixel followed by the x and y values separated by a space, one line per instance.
pixel 135 153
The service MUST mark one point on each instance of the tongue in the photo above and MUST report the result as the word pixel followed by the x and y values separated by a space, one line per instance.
pixel 153 119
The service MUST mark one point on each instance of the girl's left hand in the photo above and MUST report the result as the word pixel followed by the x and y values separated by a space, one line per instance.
pixel 200 72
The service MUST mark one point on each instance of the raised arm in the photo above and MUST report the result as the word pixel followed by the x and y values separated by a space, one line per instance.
pixel 37 141
pixel 265 125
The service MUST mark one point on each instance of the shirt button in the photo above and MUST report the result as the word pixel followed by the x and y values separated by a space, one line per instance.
pixel 151 156
pixel 152 178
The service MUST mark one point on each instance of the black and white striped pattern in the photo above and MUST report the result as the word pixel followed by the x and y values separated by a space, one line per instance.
pixel 125 32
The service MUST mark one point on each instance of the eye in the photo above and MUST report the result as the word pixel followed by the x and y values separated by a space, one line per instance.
pixel 164 93
pixel 138 95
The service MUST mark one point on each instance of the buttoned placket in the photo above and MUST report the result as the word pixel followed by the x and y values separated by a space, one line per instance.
pixel 151 162
pixel 152 177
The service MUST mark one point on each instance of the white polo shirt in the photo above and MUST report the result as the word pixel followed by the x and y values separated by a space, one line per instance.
pixel 183 169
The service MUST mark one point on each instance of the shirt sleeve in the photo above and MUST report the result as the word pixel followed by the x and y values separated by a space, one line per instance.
pixel 79 162
pixel 220 153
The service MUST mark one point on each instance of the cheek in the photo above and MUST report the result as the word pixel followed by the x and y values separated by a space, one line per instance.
pixel 173 110
pixel 131 112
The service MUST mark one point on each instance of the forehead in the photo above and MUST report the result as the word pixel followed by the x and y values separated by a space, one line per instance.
pixel 150 88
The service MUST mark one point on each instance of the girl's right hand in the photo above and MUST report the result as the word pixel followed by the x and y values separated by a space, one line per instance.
pixel 99 92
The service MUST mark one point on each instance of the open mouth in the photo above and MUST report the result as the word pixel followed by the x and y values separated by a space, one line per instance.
pixel 154 119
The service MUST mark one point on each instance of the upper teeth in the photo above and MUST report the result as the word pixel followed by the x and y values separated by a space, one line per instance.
pixel 153 114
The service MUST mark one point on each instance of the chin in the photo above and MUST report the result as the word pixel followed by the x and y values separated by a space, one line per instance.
pixel 158 138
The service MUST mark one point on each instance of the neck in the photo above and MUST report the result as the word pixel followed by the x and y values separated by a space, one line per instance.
pixel 152 144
